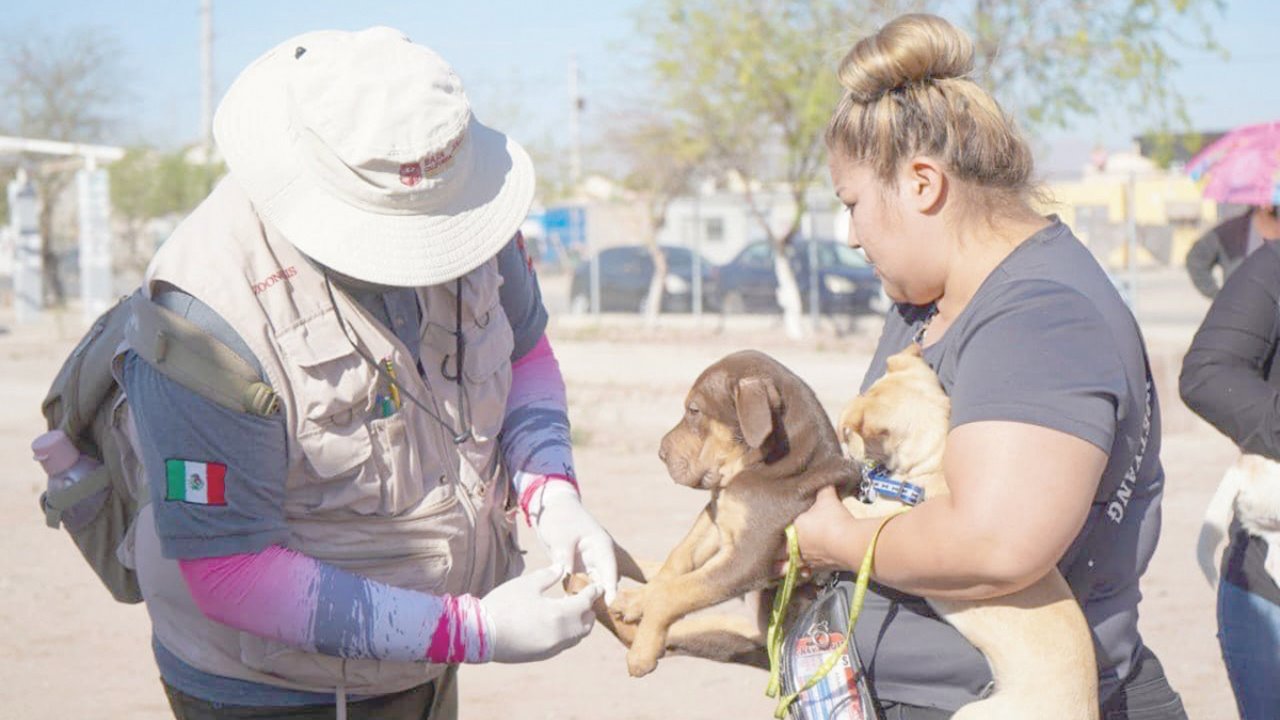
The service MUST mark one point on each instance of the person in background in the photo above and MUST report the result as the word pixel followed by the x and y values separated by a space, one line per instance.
pixel 345 554
pixel 1228 244
pixel 1053 457
pixel 1230 378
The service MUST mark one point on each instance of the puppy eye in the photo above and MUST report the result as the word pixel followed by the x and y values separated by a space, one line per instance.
pixel 693 410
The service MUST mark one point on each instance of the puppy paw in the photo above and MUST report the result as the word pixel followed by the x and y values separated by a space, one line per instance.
pixel 629 605
pixel 640 662
pixel 576 583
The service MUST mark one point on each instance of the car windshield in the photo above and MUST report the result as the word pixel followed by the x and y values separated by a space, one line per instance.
pixel 681 258
pixel 830 254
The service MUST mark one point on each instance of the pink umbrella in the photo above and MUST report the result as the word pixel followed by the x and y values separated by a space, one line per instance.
pixel 1242 166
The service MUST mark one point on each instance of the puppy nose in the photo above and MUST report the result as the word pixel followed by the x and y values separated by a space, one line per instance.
pixel 662 452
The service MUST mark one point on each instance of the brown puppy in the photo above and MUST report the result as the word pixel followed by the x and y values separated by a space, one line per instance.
pixel 1036 640
pixel 757 438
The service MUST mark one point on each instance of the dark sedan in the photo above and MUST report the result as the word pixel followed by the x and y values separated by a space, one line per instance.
pixel 846 283
pixel 625 273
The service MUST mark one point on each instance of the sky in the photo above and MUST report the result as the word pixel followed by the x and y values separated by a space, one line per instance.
pixel 513 57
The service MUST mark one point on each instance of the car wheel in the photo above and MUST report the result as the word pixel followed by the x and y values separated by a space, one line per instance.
pixel 733 304
pixel 580 305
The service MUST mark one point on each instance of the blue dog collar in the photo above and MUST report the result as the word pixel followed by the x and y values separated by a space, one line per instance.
pixel 877 483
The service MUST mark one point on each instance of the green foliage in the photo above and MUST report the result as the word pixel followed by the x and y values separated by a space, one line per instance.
pixel 1053 61
pixel 147 184
pixel 755 80
pixel 660 155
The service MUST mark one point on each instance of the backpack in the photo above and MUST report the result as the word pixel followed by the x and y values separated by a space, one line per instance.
pixel 87 403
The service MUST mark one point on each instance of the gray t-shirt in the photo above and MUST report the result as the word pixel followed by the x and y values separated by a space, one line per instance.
pixel 1047 341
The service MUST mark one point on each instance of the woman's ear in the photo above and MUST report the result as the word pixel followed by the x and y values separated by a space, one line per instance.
pixel 924 184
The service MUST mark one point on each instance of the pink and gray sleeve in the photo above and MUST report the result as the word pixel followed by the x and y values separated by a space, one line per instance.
pixel 535 438
pixel 294 599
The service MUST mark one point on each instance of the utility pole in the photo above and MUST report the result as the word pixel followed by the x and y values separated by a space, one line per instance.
pixel 1131 242
pixel 575 178
pixel 575 138
pixel 206 79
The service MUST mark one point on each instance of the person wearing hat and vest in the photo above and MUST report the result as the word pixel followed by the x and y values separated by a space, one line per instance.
pixel 345 553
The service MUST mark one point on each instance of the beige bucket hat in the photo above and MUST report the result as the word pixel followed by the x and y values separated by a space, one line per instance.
pixel 361 149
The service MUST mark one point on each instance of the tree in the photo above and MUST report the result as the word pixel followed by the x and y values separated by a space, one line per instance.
pixel 1052 61
pixel 58 88
pixel 756 78
pixel 660 156
pixel 148 184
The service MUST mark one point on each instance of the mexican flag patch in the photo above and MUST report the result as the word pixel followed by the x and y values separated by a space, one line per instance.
pixel 200 483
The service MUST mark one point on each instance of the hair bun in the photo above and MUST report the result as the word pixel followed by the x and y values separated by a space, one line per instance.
pixel 912 48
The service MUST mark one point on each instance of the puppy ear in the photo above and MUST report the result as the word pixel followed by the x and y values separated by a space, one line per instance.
pixel 854 447
pixel 851 419
pixel 756 398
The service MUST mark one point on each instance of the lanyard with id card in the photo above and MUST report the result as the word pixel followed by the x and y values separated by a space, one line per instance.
pixel 816 661
pixel 842 693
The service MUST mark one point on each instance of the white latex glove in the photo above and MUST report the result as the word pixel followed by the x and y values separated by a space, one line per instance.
pixel 573 538
pixel 525 626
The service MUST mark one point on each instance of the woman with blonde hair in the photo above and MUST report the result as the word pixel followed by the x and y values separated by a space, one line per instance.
pixel 1054 447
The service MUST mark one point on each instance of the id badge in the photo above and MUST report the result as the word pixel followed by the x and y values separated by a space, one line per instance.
pixel 842 693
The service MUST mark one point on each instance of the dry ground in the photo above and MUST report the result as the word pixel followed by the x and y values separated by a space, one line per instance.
pixel 68 651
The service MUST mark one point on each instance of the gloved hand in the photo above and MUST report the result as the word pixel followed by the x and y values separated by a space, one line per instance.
pixel 525 626
pixel 573 538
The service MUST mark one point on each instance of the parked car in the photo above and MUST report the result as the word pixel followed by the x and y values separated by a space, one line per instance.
pixel 625 273
pixel 846 283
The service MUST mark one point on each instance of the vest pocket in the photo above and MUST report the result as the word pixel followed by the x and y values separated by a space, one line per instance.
pixel 404 473
pixel 336 445
pixel 360 463
pixel 487 373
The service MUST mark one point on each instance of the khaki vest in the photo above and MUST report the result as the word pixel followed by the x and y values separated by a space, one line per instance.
pixel 393 499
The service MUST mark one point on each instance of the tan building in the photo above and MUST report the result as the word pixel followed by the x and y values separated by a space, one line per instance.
pixel 1168 210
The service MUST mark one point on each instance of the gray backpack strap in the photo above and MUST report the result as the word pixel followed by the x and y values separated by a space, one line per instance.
pixel 188 355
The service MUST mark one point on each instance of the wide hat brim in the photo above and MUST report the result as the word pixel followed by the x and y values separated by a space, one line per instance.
pixel 471 223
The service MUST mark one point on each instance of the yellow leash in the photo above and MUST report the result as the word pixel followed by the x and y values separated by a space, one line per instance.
pixel 774 636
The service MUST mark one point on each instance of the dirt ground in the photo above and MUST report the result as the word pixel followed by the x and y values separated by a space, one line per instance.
pixel 69 651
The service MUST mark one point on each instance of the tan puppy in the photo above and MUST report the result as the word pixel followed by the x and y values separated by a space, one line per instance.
pixel 1250 488
pixel 757 438
pixel 1036 640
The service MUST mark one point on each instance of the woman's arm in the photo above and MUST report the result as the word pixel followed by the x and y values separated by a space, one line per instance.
pixel 1222 376
pixel 1019 496
pixel 1035 390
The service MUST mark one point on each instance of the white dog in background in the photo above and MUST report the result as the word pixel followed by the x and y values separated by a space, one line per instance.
pixel 1252 487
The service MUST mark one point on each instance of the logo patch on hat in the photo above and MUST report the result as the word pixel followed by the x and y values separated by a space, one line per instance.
pixel 438 161
pixel 410 174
